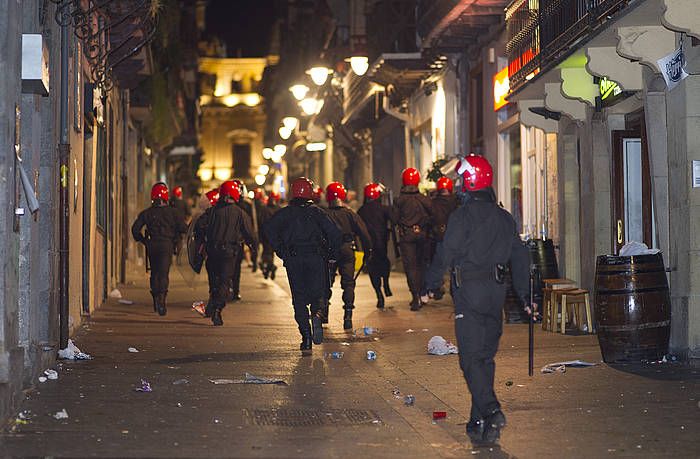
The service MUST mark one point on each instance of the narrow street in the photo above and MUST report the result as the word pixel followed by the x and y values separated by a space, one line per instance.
pixel 335 407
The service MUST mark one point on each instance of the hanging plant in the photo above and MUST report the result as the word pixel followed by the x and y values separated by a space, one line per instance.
pixel 434 173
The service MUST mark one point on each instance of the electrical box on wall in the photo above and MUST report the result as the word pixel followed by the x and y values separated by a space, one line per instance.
pixel 35 65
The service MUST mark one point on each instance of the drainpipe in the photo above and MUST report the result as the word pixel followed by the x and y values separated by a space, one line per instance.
pixel 125 194
pixel 403 117
pixel 64 160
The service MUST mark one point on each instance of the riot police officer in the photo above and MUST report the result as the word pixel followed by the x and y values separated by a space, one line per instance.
pixel 200 227
pixel 444 203
pixel 223 227
pixel 180 204
pixel 267 259
pixel 307 240
pixel 352 227
pixel 411 214
pixel 480 239
pixel 377 218
pixel 242 202
pixel 164 226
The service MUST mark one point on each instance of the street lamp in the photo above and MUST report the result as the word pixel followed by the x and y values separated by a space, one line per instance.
pixel 311 106
pixel 299 91
pixel 290 122
pixel 280 149
pixel 267 153
pixel 319 74
pixel 260 179
pixel 359 64
pixel 263 169
pixel 316 146
pixel 285 132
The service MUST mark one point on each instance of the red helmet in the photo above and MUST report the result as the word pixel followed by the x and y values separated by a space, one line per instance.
pixel 335 190
pixel 318 192
pixel 303 188
pixel 476 173
pixel 242 189
pixel 372 191
pixel 275 196
pixel 213 196
pixel 410 177
pixel 259 193
pixel 230 188
pixel 265 199
pixel 177 191
pixel 445 183
pixel 159 192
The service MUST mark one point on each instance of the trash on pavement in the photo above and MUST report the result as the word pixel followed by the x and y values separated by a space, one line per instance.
pixel 63 414
pixel 371 355
pixel 133 349
pixel 125 302
pixel 250 379
pixel 344 344
pixel 509 383
pixel 222 381
pixel 43 378
pixel 199 306
pixel 145 387
pixel 115 294
pixel 369 330
pixel 410 330
pixel 181 381
pixel 334 355
pixel 409 400
pixel 636 248
pixel 440 346
pixel 439 415
pixel 51 374
pixel 71 352
pixel 560 367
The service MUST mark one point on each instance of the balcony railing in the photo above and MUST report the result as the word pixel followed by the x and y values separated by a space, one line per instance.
pixel 541 32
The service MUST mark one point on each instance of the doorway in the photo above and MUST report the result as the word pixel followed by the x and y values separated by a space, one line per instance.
pixel 632 200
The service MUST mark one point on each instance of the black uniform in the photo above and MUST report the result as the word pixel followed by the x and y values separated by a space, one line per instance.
pixel 412 213
pixel 164 226
pixel 224 226
pixel 443 206
pixel 377 218
pixel 352 227
pixel 305 238
pixel 480 235
pixel 267 259
pixel 182 207
pixel 236 273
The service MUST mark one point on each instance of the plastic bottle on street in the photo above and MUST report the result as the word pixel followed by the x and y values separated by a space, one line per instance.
pixel 334 355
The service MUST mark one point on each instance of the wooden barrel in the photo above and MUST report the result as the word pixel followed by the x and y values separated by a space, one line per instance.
pixel 542 255
pixel 632 307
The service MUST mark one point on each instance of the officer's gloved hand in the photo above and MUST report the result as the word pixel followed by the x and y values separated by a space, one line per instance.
pixel 531 308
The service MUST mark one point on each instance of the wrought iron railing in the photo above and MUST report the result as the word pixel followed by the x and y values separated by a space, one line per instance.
pixel 541 32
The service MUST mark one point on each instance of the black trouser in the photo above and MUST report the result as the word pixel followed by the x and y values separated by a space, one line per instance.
pixel 236 273
pixel 379 267
pixel 478 327
pixel 346 267
pixel 220 268
pixel 160 256
pixel 268 255
pixel 307 275
pixel 414 256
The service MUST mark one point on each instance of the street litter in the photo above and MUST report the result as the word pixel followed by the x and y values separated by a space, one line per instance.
pixel 43 379
pixel 51 374
pixel 409 400
pixel 180 381
pixel 636 248
pixel 250 379
pixel 125 302
pixel 199 306
pixel 344 344
pixel 334 355
pixel 371 355
pixel 369 330
pixel 560 367
pixel 71 352
pixel 63 414
pixel 410 330
pixel 133 349
pixel 115 294
pixel 440 346
pixel 439 415
pixel 145 387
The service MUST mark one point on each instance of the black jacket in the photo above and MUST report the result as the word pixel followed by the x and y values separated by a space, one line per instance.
pixel 163 223
pixel 181 206
pixel 412 208
pixel 376 217
pixel 351 225
pixel 443 206
pixel 225 224
pixel 480 235
pixel 303 228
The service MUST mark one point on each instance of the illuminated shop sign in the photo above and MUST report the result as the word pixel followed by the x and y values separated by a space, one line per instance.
pixel 608 89
pixel 501 89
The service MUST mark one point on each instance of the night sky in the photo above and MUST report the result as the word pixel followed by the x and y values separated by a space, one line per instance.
pixel 244 25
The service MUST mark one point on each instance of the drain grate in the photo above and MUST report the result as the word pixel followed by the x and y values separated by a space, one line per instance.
pixel 302 418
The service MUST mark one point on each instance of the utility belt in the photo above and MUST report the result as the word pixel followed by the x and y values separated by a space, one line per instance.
pixel 460 275
pixel 348 237
pixel 299 250
pixel 409 233
pixel 225 248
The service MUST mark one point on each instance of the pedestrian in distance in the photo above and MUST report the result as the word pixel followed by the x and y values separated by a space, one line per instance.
pixel 164 227
pixel 308 241
pixel 479 241
pixel 411 214
pixel 352 228
pixel 223 227
pixel 444 203
pixel 267 259
pixel 377 218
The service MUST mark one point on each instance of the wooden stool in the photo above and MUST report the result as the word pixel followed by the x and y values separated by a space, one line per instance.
pixel 551 286
pixel 573 297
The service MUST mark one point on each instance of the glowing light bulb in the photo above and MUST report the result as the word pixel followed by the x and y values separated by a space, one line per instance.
pixel 260 180
pixel 290 122
pixel 267 153
pixel 280 149
pixel 263 169
pixel 316 146
pixel 359 64
pixel 299 91
pixel 285 132
pixel 319 75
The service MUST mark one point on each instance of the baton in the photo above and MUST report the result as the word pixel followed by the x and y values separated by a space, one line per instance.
pixel 531 323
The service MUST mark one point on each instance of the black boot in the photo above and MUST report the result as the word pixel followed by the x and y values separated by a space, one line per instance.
pixel 160 304
pixel 317 327
pixel 216 318
pixel 273 268
pixel 155 301
pixel 387 290
pixel 380 300
pixel 326 312
pixel 475 431
pixel 492 427
pixel 416 303
pixel 347 319
pixel 306 341
pixel 265 271
pixel 209 309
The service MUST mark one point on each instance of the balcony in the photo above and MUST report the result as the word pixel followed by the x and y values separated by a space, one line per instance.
pixel 541 33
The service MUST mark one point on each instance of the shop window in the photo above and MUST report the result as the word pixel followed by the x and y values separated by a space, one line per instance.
pixel 515 174
pixel 476 109
pixel 241 159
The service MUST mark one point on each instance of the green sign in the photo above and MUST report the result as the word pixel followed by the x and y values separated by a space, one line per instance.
pixel 608 89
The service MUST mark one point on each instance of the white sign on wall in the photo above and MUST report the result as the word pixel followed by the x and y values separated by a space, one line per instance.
pixel 696 174
pixel 672 68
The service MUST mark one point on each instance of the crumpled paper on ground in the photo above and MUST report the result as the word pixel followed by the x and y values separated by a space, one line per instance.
pixel 560 367
pixel 250 379
pixel 200 307
pixel 71 352
pixel 115 294
pixel 440 346
pixel 636 248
